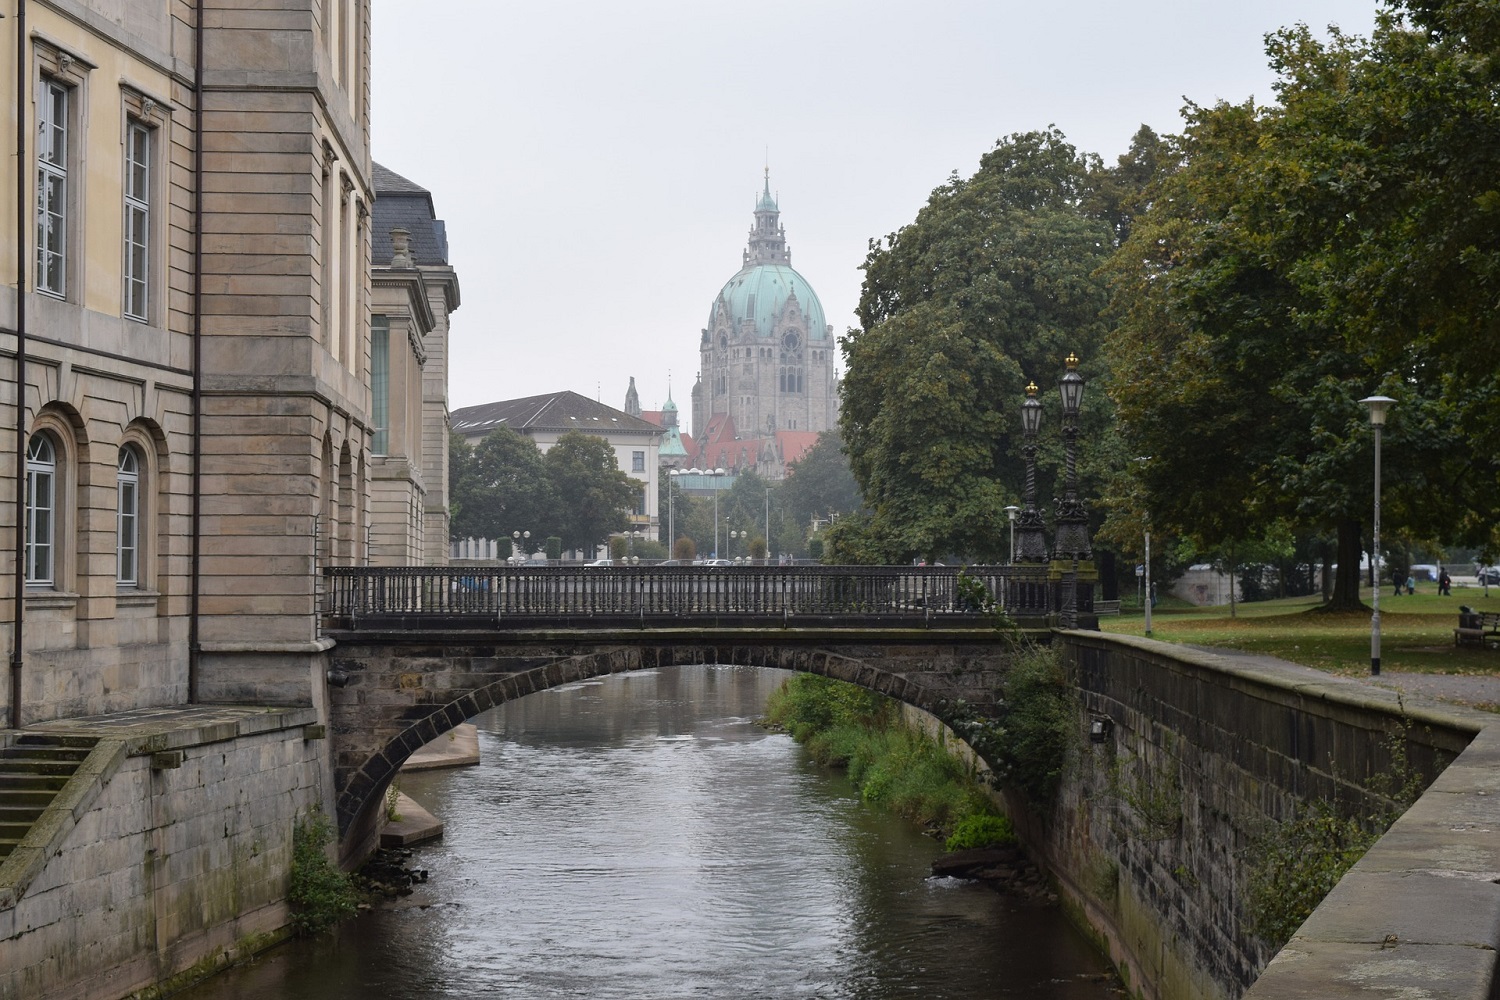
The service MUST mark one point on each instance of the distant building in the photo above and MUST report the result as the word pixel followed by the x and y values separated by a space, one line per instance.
pixel 546 418
pixel 768 354
pixel 413 292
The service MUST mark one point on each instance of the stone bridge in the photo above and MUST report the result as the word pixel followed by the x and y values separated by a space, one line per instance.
pixel 391 692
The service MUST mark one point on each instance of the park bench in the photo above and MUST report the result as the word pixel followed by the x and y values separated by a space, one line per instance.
pixel 1106 607
pixel 1476 626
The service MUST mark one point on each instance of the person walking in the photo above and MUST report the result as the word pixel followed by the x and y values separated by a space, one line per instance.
pixel 1397 579
pixel 1411 584
pixel 1445 584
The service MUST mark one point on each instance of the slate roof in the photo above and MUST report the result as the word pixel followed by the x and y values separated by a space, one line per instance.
pixel 400 203
pixel 556 411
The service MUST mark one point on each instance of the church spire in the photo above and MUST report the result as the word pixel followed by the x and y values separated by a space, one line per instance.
pixel 767 243
pixel 632 399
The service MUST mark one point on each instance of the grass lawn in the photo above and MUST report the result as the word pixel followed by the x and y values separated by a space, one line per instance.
pixel 1416 632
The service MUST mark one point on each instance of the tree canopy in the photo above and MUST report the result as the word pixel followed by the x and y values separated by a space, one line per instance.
pixel 1293 259
pixel 991 286
pixel 504 484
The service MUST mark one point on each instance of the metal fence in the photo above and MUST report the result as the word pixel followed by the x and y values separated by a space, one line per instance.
pixel 482 596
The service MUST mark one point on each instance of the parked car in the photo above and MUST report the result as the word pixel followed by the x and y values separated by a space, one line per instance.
pixel 713 562
pixel 670 562
pixel 1489 575
pixel 601 562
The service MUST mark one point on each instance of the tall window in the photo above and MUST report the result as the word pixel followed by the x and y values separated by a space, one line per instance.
pixel 41 508
pixel 52 188
pixel 637 461
pixel 380 384
pixel 137 218
pixel 128 518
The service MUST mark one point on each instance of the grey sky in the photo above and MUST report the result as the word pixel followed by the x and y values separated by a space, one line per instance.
pixel 597 162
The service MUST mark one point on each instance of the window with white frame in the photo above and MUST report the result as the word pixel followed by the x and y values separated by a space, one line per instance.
pixel 41 509
pixel 53 101
pixel 380 384
pixel 637 461
pixel 137 220
pixel 128 518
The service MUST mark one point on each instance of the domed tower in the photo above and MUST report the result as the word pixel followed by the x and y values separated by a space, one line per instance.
pixel 767 354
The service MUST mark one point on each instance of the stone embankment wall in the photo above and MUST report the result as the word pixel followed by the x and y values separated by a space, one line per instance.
pixel 169 859
pixel 1200 754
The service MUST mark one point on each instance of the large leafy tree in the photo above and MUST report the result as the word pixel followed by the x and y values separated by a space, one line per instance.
pixel 1255 294
pixel 992 285
pixel 592 495
pixel 500 486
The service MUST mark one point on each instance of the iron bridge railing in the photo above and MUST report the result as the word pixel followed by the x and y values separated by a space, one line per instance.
pixel 417 597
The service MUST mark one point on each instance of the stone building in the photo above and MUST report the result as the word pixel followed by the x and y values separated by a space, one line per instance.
pixel 414 290
pixel 548 417
pixel 767 356
pixel 191 329
pixel 185 373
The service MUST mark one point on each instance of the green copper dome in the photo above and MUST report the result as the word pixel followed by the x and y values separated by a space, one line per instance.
pixel 760 293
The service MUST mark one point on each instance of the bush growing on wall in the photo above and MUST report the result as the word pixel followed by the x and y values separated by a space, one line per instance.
pixel 319 894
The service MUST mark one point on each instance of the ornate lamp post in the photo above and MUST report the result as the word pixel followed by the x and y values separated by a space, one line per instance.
pixel 1071 540
pixel 518 556
pixel 1031 545
pixel 1378 405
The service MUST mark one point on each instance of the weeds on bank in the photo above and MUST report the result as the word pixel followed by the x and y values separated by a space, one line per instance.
pixel 899 769
pixel 1292 865
pixel 319 894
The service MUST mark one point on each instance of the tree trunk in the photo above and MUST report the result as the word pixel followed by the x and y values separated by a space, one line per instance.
pixel 1346 583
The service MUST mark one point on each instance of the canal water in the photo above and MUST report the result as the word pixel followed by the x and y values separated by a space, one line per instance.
pixel 639 837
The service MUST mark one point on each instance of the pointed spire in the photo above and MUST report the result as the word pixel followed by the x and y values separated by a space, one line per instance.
pixel 767 237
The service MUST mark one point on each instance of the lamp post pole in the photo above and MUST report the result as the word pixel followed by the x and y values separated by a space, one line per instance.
pixel 672 475
pixel 1010 512
pixel 519 537
pixel 1378 405
pixel 1031 546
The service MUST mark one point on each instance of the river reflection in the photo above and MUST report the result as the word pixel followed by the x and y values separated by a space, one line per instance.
pixel 640 837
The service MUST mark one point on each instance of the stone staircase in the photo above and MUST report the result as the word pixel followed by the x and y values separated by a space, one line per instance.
pixel 33 770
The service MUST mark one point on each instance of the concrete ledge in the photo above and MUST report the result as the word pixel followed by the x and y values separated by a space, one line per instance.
pixel 415 826
pixel 147 731
pixel 1419 915
pixel 459 747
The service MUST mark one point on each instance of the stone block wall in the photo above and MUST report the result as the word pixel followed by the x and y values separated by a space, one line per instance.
pixel 1148 835
pixel 165 871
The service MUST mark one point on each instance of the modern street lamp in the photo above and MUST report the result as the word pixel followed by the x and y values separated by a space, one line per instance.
pixel 1031 547
pixel 718 476
pixel 1010 511
pixel 1378 405
pixel 517 555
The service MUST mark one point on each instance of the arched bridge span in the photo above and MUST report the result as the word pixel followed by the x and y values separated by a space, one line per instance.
pixel 392 692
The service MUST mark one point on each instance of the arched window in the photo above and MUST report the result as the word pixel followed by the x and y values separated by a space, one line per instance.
pixel 41 509
pixel 128 518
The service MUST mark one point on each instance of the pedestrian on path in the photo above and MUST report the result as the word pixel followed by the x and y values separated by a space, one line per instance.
pixel 1445 584
pixel 1411 585
pixel 1396 578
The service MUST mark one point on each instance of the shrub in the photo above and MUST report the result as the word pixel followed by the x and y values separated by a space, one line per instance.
pixel 981 830
pixel 319 894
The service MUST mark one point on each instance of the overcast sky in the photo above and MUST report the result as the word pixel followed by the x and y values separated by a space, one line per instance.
pixel 597 162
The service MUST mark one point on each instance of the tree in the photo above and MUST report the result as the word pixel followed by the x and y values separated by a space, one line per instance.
pixel 1255 294
pixel 592 494
pixel 499 487
pixel 991 286
pixel 819 483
